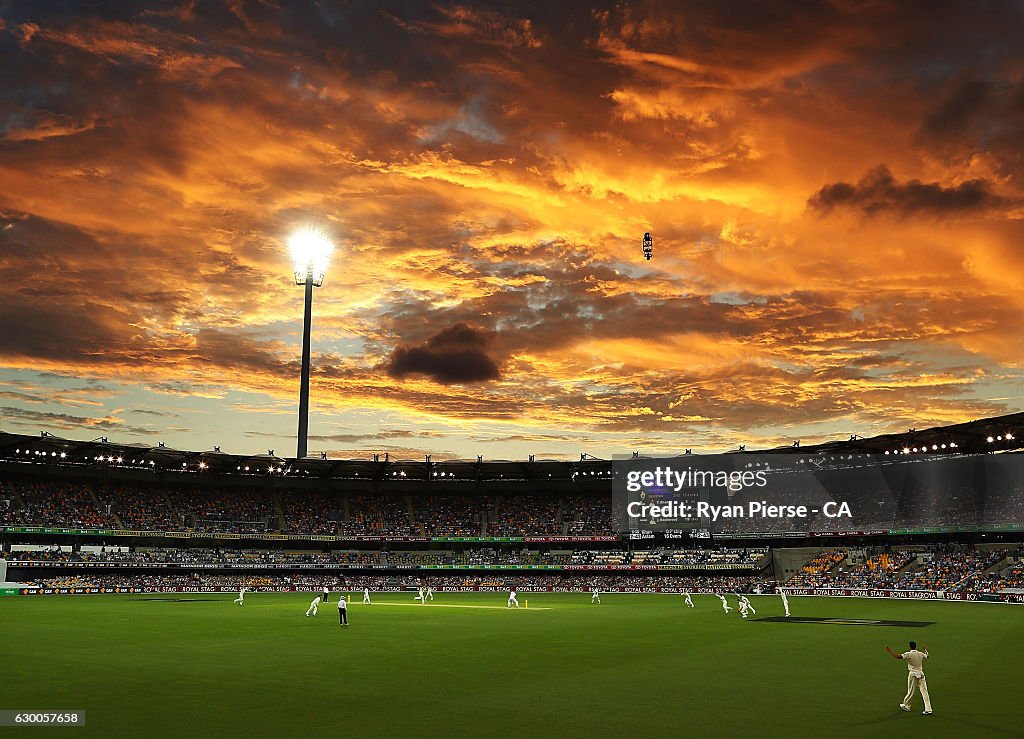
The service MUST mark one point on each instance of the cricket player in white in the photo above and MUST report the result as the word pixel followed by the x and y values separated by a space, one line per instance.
pixel 915 679
pixel 595 596
pixel 688 600
pixel 725 603
pixel 743 607
pixel 366 596
pixel 744 600
pixel 785 602
pixel 512 599
pixel 430 592
pixel 313 606
pixel 240 600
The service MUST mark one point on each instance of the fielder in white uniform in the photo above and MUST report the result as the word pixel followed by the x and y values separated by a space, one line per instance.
pixel 512 599
pixel 746 601
pixel 725 603
pixel 311 611
pixel 240 600
pixel 915 678
pixel 688 600
pixel 595 596
pixel 742 604
pixel 785 602
pixel 366 596
pixel 430 592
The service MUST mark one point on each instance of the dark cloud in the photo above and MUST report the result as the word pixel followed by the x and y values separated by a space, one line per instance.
pixel 970 98
pixel 380 435
pixel 879 192
pixel 24 417
pixel 455 355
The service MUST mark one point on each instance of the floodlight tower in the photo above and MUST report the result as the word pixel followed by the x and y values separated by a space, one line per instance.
pixel 310 248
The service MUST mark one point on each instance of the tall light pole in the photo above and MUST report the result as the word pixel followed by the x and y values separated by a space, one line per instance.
pixel 310 249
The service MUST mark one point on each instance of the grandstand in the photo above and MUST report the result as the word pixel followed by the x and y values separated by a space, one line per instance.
pixel 181 519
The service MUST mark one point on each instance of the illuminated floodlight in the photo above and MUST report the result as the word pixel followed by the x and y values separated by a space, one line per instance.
pixel 311 249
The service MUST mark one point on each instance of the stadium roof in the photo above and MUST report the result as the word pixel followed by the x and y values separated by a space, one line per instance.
pixel 996 434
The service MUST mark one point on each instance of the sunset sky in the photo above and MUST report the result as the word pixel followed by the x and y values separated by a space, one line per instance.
pixel 834 191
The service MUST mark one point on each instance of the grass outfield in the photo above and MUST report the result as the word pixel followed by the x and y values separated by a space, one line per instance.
pixel 643 665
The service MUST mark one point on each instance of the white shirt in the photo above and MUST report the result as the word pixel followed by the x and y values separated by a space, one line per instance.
pixel 341 603
pixel 316 601
pixel 366 591
pixel 511 594
pixel 915 661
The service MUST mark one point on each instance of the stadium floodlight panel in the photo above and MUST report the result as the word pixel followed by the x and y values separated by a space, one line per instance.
pixel 310 248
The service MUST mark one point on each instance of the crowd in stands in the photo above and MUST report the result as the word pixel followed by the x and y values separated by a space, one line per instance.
pixel 213 510
pixel 946 569
pixel 587 516
pixel 451 516
pixel 939 568
pixel 936 568
pixel 875 571
pixel 50 503
pixel 815 572
pixel 234 582
pixel 477 557
pixel 63 503
pixel 1009 578
pixel 377 515
pixel 530 515
pixel 139 506
pixel 310 511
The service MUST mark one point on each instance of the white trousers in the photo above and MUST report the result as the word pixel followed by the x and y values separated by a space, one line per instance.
pixel 917 683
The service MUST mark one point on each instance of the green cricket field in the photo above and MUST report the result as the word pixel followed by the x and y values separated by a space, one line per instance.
pixel 465 665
